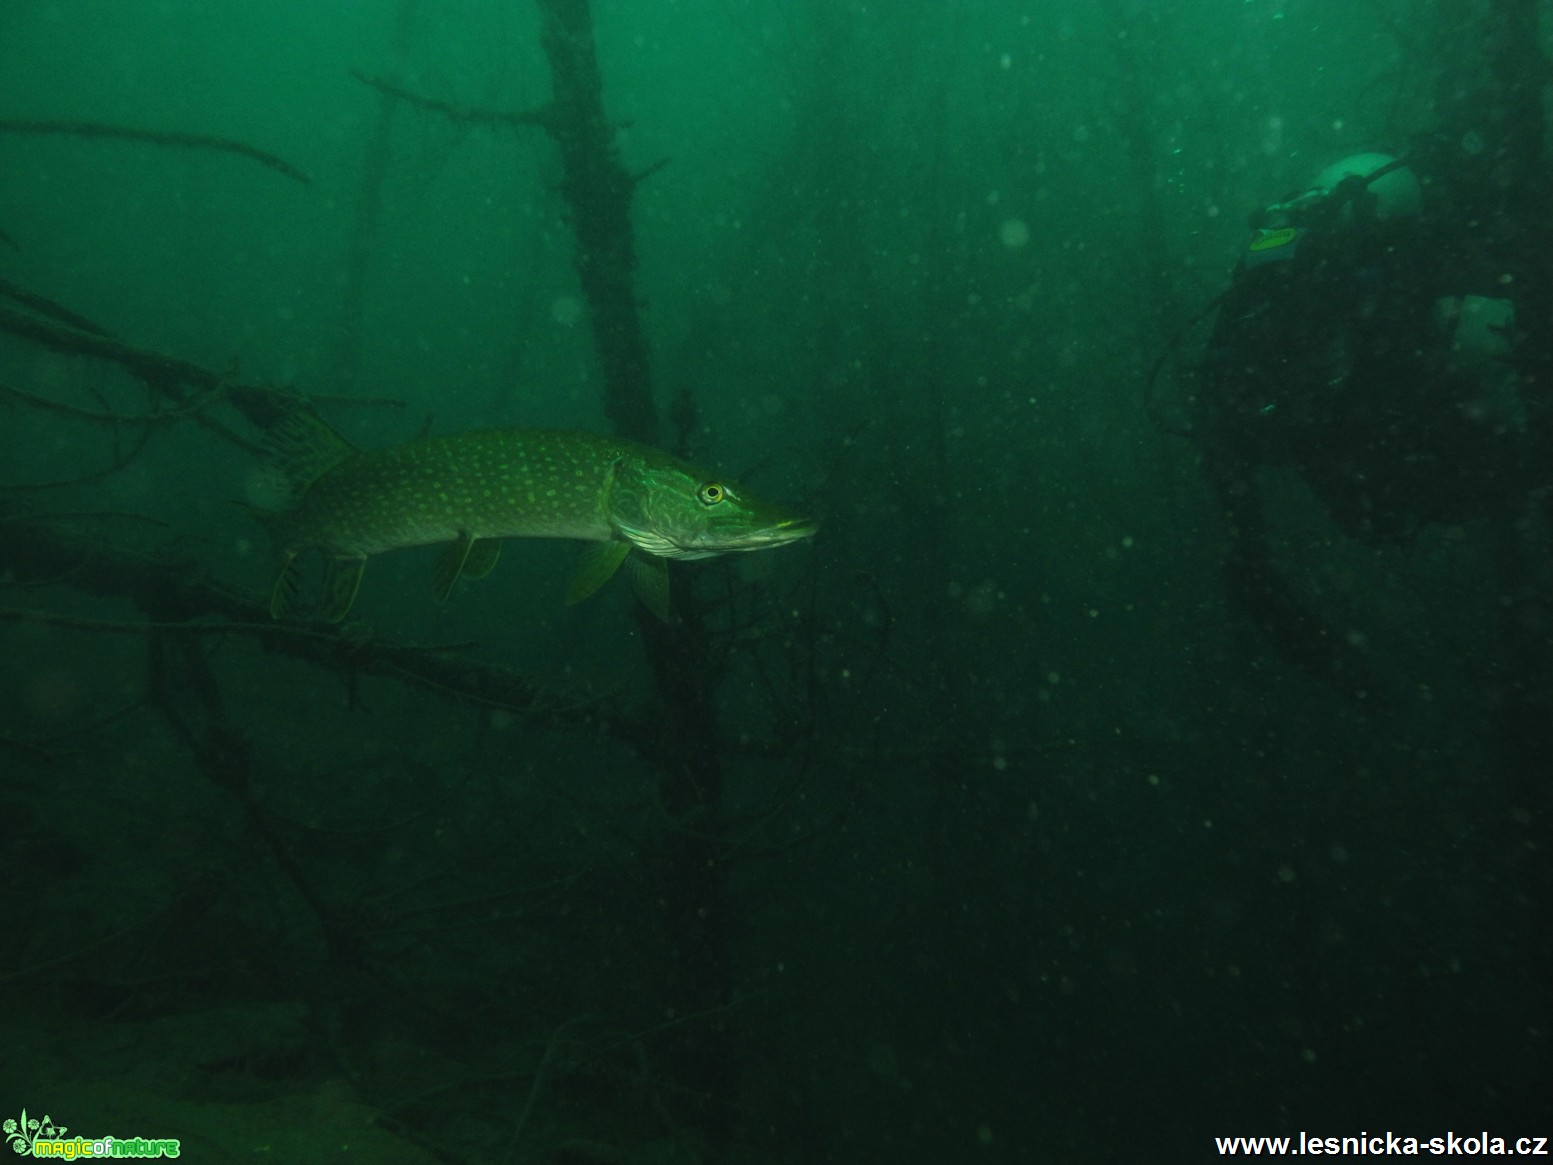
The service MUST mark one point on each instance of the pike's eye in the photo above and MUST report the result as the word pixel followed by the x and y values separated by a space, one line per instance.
pixel 711 493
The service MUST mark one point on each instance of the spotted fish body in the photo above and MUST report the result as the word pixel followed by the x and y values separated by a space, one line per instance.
pixel 472 490
pixel 489 484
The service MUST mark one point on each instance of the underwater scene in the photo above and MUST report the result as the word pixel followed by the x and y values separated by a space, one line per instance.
pixel 682 582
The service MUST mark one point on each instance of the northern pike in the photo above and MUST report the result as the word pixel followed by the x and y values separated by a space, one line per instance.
pixel 472 490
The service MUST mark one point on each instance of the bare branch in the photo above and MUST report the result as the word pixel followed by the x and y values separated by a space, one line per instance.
pixel 463 115
pixel 45 306
pixel 194 141
pixel 261 404
pixel 180 601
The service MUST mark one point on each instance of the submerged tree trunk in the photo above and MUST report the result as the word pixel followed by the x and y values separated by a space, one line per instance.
pixel 369 211
pixel 597 189
pixel 686 756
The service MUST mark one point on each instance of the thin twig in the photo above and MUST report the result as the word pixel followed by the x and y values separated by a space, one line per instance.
pixel 72 956
pixel 156 417
pixel 45 306
pixel 538 1082
pixel 56 515
pixel 195 141
pixel 262 405
pixel 462 115
pixel 32 549
pixel 147 627
pixel 92 725
pixel 27 746
pixel 119 461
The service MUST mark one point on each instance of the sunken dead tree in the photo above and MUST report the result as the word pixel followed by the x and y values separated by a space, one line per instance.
pixel 597 190
pixel 684 752
pixel 686 756
pixel 369 210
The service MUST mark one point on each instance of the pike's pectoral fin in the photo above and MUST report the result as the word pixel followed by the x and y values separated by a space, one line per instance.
pixel 454 563
pixel 597 562
pixel 283 595
pixel 342 579
pixel 482 557
pixel 468 558
pixel 649 577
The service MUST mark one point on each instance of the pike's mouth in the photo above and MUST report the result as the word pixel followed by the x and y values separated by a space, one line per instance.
pixel 776 534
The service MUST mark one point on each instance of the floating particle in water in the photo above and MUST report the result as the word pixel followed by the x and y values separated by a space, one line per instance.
pixel 1014 232
pixel 566 309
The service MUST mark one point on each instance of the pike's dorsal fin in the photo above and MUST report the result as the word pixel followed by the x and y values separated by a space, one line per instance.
pixel 452 566
pixel 649 577
pixel 305 448
pixel 597 562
